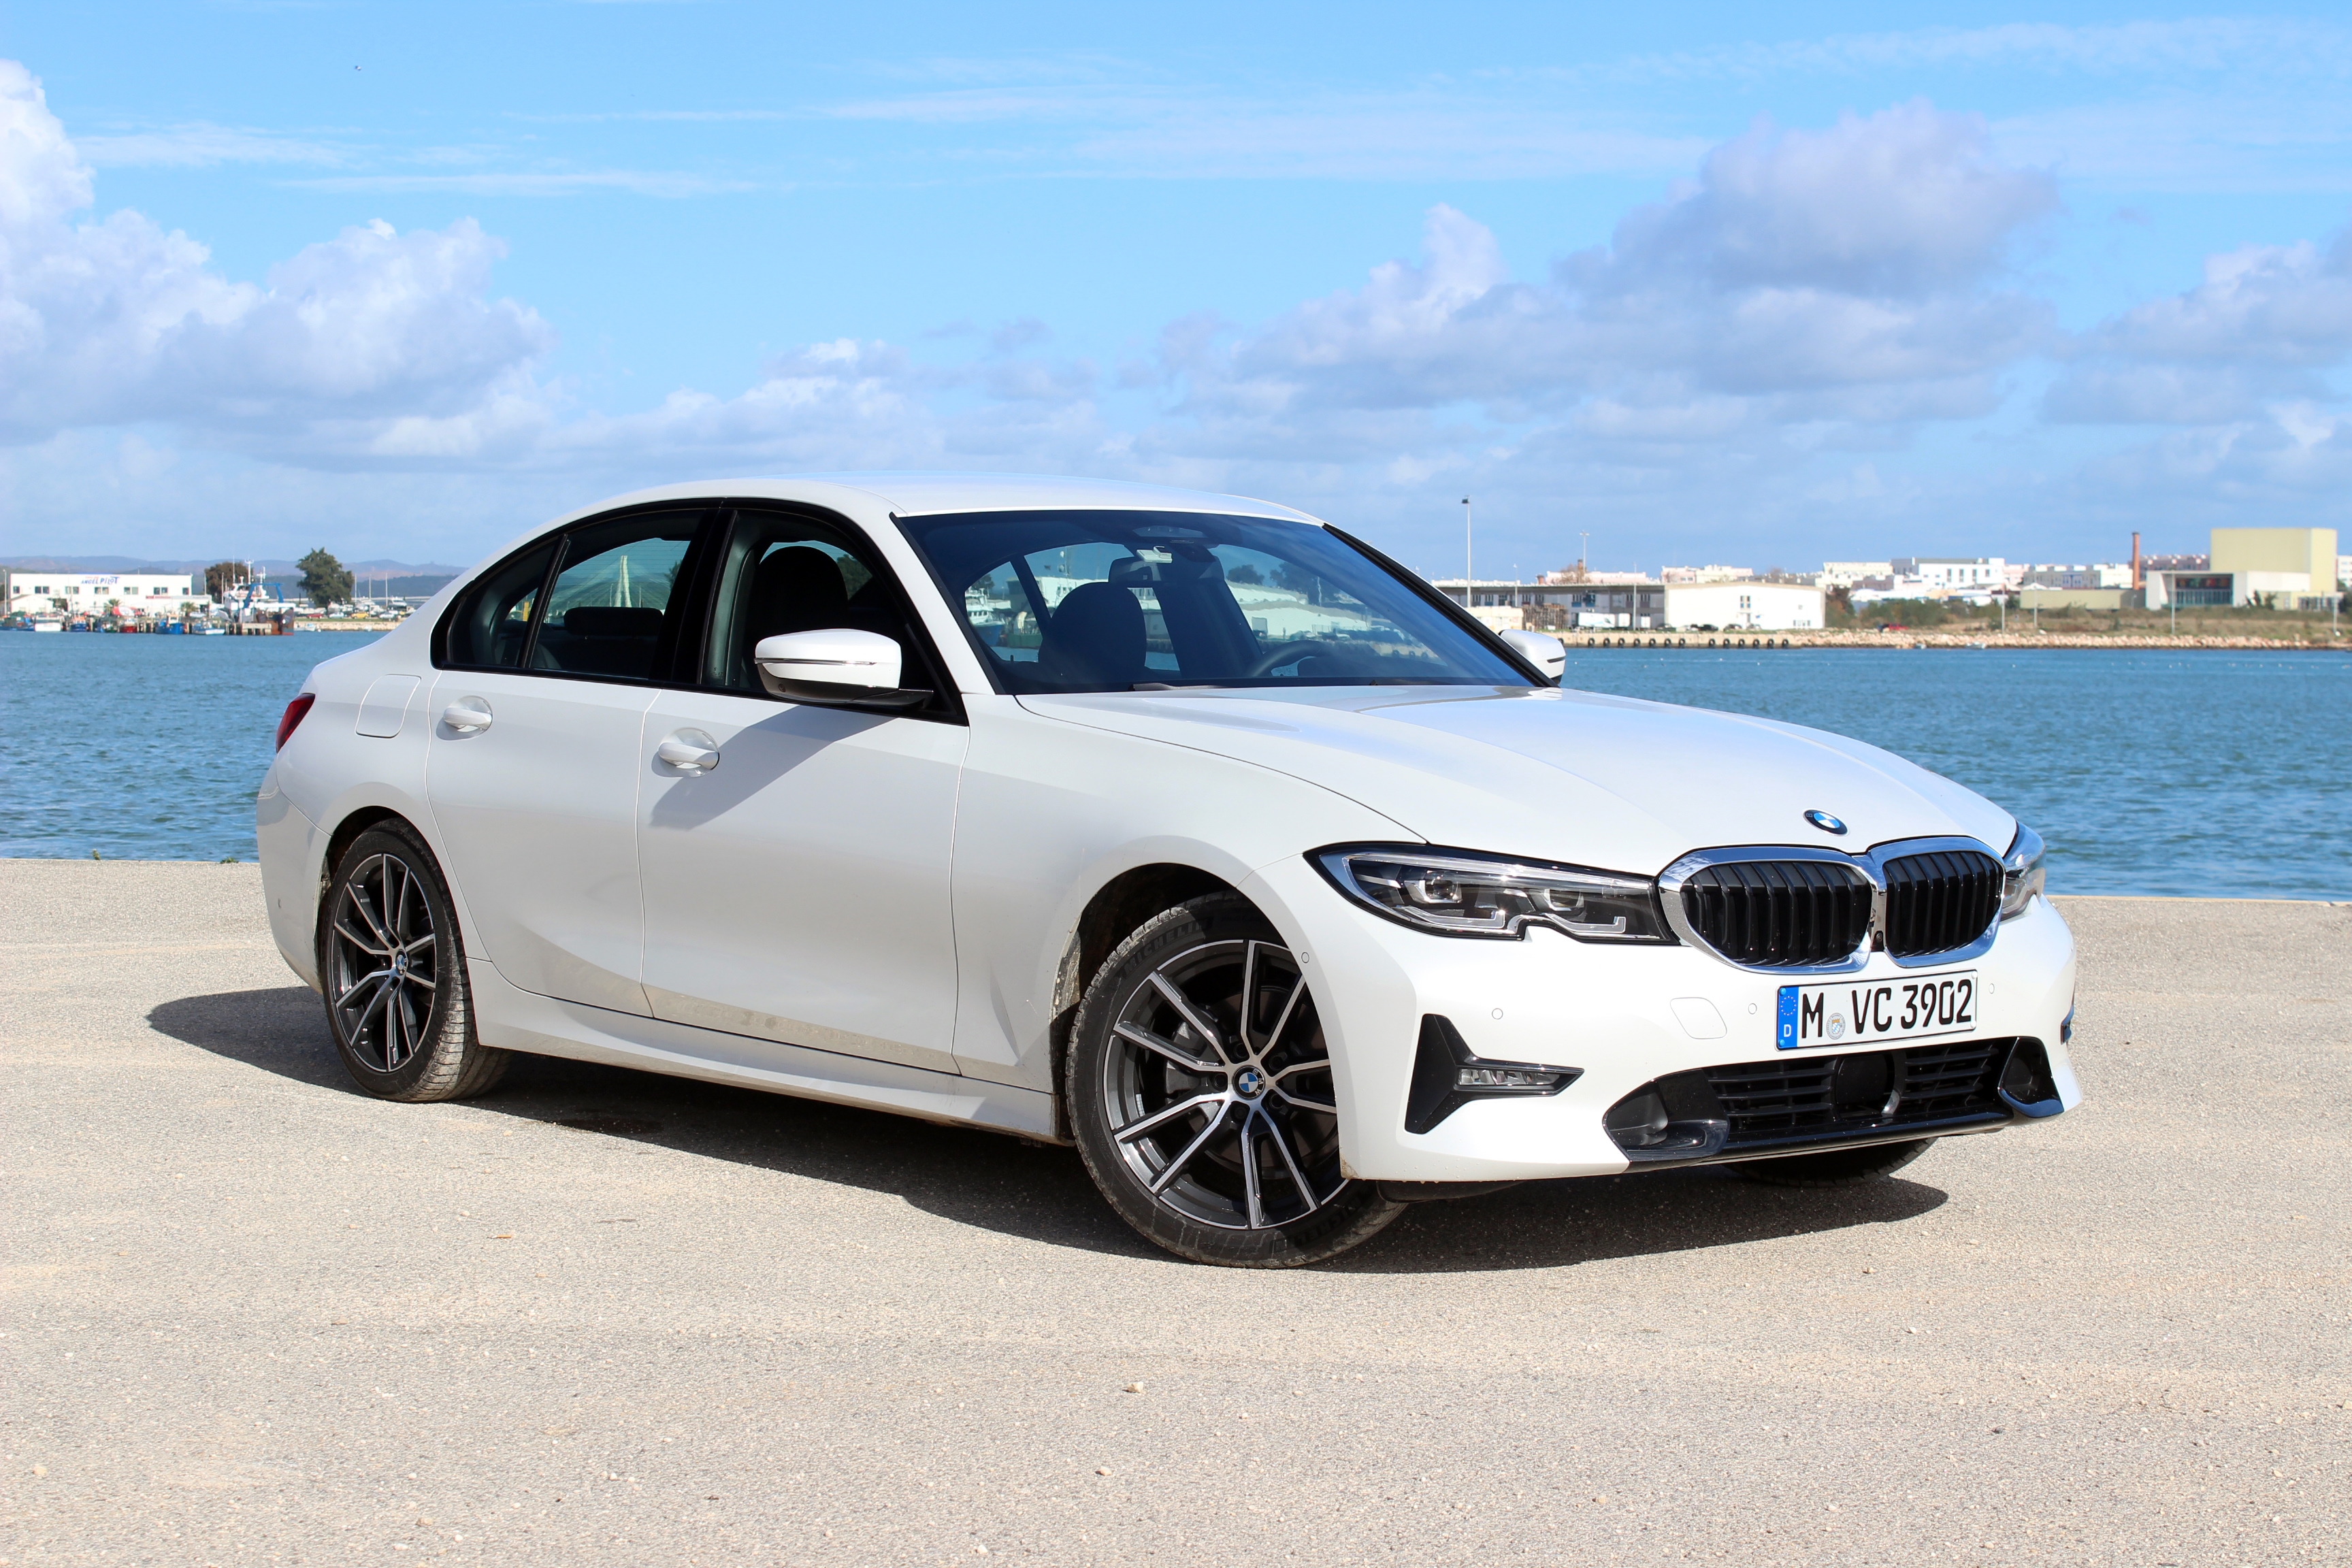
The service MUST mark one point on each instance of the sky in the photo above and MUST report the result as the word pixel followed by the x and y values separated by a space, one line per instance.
pixel 1687 284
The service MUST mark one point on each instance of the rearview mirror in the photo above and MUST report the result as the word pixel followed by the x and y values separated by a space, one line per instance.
pixel 1546 653
pixel 840 669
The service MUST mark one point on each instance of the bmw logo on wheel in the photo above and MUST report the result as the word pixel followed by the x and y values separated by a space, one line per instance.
pixel 1825 822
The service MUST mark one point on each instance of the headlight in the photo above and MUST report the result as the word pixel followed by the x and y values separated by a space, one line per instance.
pixel 2022 873
pixel 1460 892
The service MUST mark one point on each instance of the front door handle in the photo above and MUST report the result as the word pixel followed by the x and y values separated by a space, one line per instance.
pixel 688 751
pixel 467 715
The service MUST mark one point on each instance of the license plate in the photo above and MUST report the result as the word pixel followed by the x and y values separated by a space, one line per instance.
pixel 1916 1007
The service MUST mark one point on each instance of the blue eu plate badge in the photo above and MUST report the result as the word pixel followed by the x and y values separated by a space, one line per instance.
pixel 1785 1031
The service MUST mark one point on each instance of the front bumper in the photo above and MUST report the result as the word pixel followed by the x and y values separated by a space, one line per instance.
pixel 1628 1017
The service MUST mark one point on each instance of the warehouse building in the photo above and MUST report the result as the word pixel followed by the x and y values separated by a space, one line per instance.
pixel 2289 568
pixel 32 592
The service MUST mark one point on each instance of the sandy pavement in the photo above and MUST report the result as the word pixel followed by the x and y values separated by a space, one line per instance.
pixel 598 1317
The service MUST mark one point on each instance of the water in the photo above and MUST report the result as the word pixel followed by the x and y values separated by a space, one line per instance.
pixel 2148 772
pixel 142 748
pixel 2197 774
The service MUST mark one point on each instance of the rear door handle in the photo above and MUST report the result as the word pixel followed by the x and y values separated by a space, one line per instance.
pixel 688 751
pixel 467 715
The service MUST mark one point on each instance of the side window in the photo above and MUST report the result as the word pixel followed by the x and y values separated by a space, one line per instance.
pixel 786 573
pixel 609 610
pixel 491 625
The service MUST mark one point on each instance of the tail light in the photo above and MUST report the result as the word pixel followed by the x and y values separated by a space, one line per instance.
pixel 294 711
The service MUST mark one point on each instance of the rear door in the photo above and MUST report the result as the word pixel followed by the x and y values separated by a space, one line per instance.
pixel 532 769
pixel 797 890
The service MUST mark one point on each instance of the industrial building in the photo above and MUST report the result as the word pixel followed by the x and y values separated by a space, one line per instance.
pixel 1746 606
pixel 2288 568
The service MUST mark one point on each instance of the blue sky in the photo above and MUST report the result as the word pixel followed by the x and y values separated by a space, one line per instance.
pixel 1714 283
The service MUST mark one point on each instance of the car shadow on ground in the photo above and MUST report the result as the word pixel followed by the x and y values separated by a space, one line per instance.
pixel 1043 1193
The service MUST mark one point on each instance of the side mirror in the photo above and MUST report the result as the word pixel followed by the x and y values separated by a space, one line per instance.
pixel 841 668
pixel 1546 653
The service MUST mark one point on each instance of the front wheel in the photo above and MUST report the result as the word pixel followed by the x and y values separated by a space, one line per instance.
pixel 397 1000
pixel 1200 1095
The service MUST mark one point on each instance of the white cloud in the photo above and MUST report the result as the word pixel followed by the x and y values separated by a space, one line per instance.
pixel 2262 329
pixel 1850 274
pixel 660 182
pixel 118 320
pixel 200 145
pixel 2192 44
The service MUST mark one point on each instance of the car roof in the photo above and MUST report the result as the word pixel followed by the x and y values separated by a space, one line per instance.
pixel 917 494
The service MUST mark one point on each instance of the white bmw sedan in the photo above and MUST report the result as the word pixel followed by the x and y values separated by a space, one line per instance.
pixel 1183 828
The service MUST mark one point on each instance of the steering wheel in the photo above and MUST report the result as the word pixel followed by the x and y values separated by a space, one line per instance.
pixel 1278 655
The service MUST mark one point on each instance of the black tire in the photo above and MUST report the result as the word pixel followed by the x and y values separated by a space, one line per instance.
pixel 1225 1150
pixel 394 970
pixel 1832 1167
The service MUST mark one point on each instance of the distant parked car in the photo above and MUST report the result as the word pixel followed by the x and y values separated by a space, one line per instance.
pixel 1183 828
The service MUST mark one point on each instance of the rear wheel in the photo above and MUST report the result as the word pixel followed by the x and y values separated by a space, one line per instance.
pixel 396 974
pixel 1200 1095
pixel 1832 1167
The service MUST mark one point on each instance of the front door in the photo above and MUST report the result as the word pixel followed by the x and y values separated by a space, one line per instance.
pixel 533 770
pixel 796 891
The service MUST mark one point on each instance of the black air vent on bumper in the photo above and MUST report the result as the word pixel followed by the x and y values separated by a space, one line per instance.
pixel 1940 901
pixel 1795 1102
pixel 1781 913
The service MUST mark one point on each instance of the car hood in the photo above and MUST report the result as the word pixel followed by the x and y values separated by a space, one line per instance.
pixel 1610 782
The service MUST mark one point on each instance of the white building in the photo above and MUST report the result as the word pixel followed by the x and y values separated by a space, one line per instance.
pixel 1742 606
pixel 1944 574
pixel 128 593
pixel 1846 574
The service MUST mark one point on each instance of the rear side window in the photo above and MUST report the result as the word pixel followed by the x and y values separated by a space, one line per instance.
pixel 609 609
pixel 491 625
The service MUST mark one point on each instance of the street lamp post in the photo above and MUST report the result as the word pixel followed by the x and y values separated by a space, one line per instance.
pixel 1466 573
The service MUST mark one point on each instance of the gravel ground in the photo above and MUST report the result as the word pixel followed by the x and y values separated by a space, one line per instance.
pixel 600 1317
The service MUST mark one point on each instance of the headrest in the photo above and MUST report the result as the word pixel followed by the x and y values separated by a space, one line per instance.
pixel 611 621
pixel 800 580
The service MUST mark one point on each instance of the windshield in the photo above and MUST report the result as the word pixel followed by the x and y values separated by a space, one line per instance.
pixel 1124 601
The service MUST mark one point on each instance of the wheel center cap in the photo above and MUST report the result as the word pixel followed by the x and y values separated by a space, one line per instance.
pixel 1250 1082
pixel 400 964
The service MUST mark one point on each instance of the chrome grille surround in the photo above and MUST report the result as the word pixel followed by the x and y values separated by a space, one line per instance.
pixel 1764 869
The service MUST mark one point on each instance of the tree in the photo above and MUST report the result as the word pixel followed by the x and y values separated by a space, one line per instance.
pixel 223 575
pixel 324 579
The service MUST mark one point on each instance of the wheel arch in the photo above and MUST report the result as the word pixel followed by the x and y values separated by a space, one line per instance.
pixel 354 823
pixel 1115 911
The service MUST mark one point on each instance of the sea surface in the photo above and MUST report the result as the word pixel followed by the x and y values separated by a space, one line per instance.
pixel 2200 773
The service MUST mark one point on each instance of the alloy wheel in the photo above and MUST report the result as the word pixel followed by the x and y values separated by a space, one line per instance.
pixel 384 968
pixel 1218 1090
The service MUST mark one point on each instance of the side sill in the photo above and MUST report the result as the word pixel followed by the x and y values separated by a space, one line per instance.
pixel 514 1019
